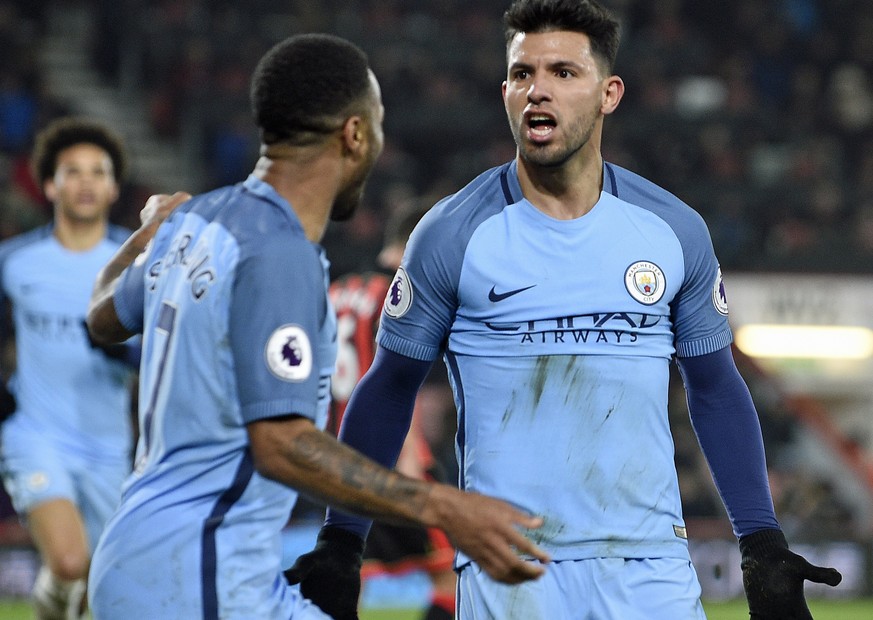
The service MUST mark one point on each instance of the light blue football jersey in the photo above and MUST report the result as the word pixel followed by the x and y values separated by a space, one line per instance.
pixel 67 392
pixel 558 336
pixel 231 299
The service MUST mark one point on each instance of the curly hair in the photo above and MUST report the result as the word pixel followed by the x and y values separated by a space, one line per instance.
pixel 70 131
pixel 304 88
pixel 585 16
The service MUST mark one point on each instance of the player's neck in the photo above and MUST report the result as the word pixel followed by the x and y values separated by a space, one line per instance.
pixel 563 192
pixel 307 183
pixel 79 235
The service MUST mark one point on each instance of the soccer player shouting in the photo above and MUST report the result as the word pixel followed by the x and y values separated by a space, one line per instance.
pixel 558 288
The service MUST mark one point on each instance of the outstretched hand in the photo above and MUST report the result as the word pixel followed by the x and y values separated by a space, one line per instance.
pixel 489 531
pixel 158 208
pixel 773 577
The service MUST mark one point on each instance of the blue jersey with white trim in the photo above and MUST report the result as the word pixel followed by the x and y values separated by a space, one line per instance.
pixel 558 337
pixel 67 391
pixel 232 302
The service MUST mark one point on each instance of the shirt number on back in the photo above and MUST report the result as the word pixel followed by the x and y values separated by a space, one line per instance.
pixel 163 332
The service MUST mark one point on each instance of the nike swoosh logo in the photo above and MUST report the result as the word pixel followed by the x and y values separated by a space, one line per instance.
pixel 494 296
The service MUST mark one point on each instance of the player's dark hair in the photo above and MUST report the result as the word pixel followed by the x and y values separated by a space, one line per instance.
pixel 69 131
pixel 585 16
pixel 306 86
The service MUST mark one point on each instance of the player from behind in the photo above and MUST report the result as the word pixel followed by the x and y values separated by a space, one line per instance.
pixel 358 300
pixel 67 447
pixel 230 294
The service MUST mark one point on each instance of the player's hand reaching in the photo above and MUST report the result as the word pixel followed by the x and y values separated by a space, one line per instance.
pixel 773 577
pixel 330 574
pixel 488 530
pixel 158 208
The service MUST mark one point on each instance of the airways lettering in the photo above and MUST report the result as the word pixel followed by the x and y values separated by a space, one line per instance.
pixel 584 336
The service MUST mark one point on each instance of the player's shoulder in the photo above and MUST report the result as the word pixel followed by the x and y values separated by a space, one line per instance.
pixel 24 240
pixel 254 214
pixel 458 214
pixel 640 192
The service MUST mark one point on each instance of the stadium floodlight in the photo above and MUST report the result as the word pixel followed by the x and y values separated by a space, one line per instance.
pixel 805 341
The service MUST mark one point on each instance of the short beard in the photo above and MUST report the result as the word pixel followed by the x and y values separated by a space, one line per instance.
pixel 550 156
pixel 346 203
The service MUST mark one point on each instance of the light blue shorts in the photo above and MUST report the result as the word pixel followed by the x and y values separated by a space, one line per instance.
pixel 35 471
pixel 596 589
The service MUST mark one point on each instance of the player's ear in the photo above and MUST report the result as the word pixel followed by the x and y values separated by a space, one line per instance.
pixel 116 192
pixel 354 135
pixel 50 190
pixel 613 91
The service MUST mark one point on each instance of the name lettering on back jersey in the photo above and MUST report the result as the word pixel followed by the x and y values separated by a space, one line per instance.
pixel 196 262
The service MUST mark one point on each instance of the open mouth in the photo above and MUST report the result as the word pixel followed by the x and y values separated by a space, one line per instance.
pixel 540 125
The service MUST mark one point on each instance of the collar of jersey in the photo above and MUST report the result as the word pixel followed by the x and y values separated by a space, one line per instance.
pixel 266 191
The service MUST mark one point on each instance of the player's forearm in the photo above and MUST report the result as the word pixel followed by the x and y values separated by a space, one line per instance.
pixel 377 419
pixel 727 427
pixel 318 465
pixel 102 320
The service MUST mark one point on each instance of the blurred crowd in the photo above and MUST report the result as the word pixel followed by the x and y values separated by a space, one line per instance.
pixel 808 504
pixel 758 114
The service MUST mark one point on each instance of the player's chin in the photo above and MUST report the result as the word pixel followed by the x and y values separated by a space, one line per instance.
pixel 344 207
pixel 542 155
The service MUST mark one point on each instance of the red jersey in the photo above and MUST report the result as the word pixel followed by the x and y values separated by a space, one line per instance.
pixel 358 301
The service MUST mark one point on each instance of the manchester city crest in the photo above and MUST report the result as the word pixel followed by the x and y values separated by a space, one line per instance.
pixel 645 282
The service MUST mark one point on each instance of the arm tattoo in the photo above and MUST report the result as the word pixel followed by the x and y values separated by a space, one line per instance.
pixel 357 483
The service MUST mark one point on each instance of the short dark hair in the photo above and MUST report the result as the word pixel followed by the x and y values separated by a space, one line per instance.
pixel 305 86
pixel 585 16
pixel 65 132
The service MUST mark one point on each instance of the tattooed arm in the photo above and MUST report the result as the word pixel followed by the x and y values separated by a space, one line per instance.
pixel 292 451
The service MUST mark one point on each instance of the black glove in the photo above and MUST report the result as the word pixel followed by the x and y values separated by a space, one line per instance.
pixel 7 402
pixel 330 574
pixel 773 577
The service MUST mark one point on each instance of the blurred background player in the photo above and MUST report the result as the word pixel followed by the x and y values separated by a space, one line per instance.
pixel 67 447
pixel 358 300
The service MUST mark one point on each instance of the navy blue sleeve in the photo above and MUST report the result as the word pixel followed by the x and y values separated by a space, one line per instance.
pixel 377 418
pixel 726 422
